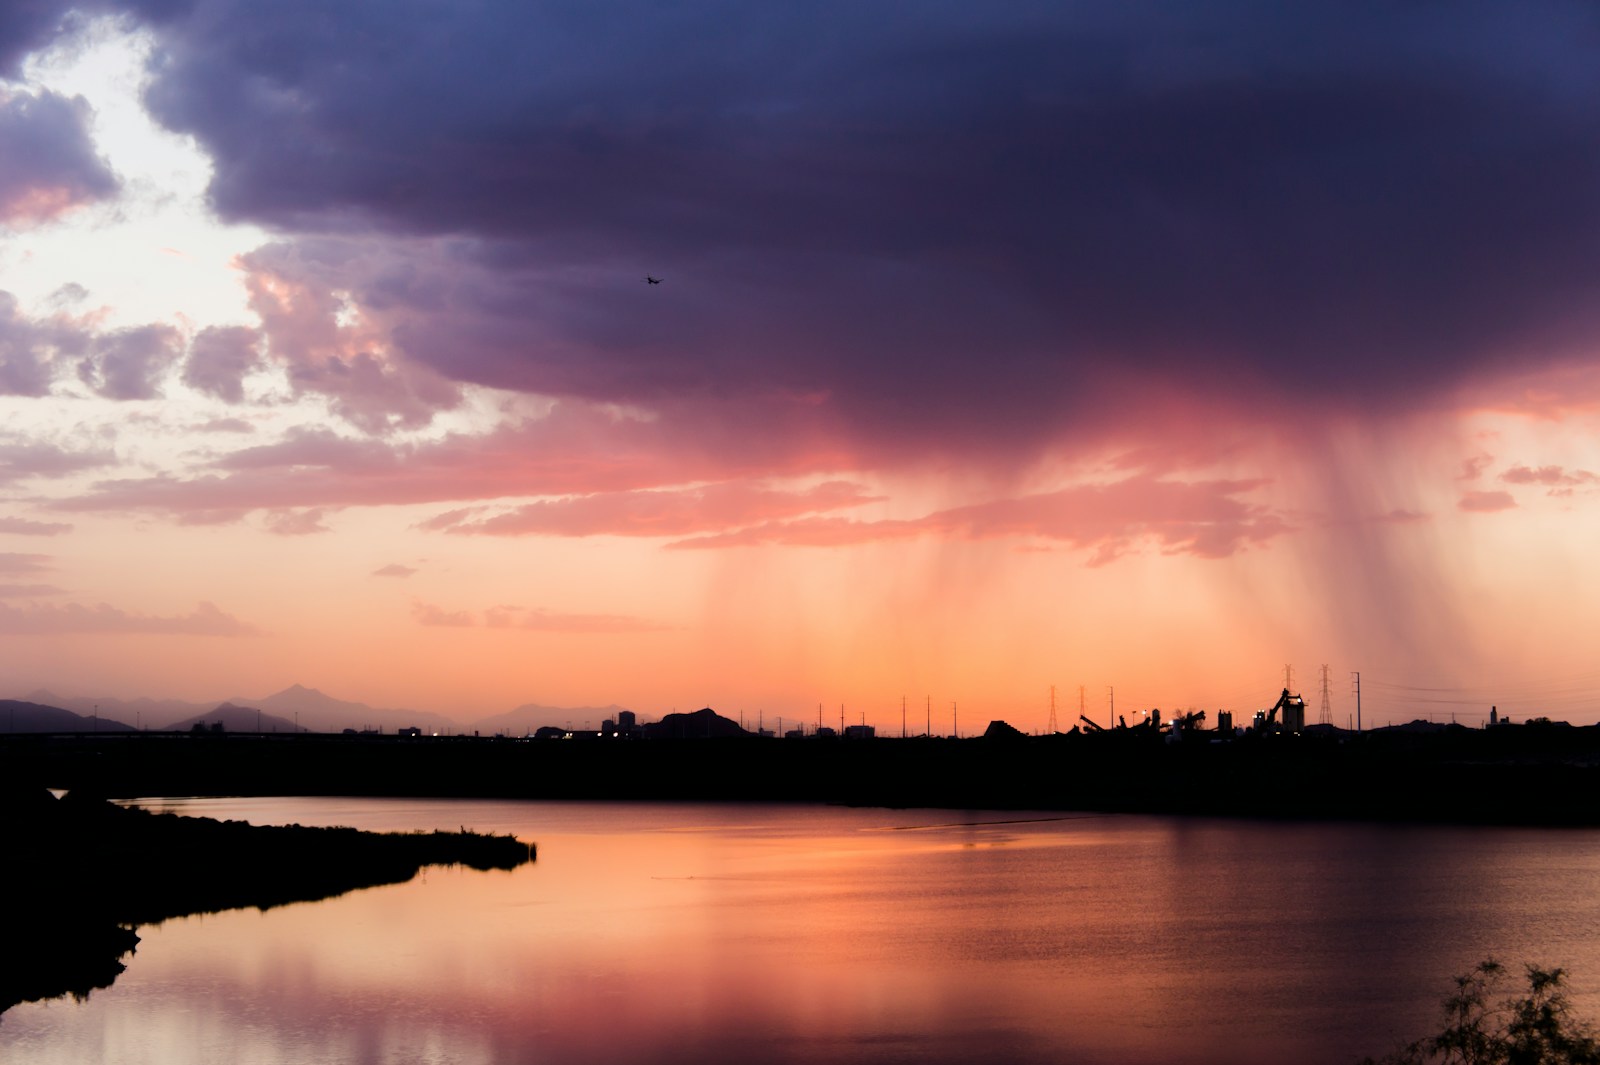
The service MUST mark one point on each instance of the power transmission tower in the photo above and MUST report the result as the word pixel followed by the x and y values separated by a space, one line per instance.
pixel 1052 709
pixel 1327 698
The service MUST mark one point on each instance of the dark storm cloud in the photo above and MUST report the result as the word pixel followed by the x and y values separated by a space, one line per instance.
pixel 26 25
pixel 963 217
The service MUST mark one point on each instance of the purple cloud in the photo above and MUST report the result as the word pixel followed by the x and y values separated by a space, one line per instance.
pixel 219 360
pixel 47 161
pixel 129 363
pixel 27 351
pixel 21 461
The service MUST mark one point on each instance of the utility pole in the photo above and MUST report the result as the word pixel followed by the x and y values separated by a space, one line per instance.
pixel 1357 675
pixel 902 717
pixel 1052 709
pixel 1113 693
pixel 955 722
pixel 1327 699
pixel 927 709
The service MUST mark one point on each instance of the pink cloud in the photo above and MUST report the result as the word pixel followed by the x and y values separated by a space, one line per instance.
pixel 296 522
pixel 27 527
pixel 1203 518
pixel 28 591
pixel 656 512
pixel 225 425
pixel 575 450
pixel 75 618
pixel 551 621
pixel 432 615
pixel 394 569
pixel 1486 502
pixel 14 562
pixel 1549 476
pixel 534 619
pixel 332 347
pixel 813 532
pixel 1472 468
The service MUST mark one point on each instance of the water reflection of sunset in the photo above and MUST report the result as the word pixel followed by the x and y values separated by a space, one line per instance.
pixel 682 933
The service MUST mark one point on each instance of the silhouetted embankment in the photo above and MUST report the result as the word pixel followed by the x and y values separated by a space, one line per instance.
pixel 87 871
pixel 1524 775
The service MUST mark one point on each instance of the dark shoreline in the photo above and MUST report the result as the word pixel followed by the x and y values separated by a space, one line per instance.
pixel 1527 775
pixel 88 872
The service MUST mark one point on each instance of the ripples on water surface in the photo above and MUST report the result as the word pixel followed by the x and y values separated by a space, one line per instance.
pixel 669 934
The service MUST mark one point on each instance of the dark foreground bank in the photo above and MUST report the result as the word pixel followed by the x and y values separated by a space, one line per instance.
pixel 86 872
pixel 1523 776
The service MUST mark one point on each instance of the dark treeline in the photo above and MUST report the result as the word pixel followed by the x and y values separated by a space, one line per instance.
pixel 85 872
pixel 1523 775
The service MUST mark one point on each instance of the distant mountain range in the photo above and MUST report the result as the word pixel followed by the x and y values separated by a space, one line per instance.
pixel 297 706
pixel 17 715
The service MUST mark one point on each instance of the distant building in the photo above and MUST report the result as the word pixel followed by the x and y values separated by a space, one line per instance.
pixel 1225 722
pixel 824 732
pixel 859 732
pixel 411 732
pixel 1288 714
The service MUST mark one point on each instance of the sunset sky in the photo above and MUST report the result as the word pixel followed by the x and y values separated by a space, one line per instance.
pixel 997 347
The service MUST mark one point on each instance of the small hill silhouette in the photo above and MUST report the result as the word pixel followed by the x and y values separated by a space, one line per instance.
pixel 234 718
pixel 704 723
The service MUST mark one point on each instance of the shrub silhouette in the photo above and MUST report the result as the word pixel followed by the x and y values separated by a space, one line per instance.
pixel 1536 1028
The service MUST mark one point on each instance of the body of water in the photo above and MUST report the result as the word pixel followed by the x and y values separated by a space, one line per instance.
pixel 677 934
